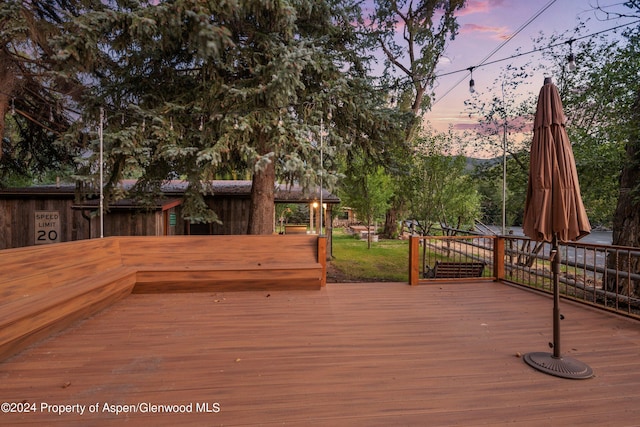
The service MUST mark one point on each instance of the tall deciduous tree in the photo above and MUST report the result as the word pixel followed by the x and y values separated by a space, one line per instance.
pixel 413 37
pixel 411 57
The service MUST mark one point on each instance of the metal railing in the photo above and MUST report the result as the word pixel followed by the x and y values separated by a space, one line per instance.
pixel 604 276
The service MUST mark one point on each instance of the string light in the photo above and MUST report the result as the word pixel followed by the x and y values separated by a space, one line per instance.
pixel 571 59
pixel 572 62
pixel 472 83
pixel 521 54
pixel 13 106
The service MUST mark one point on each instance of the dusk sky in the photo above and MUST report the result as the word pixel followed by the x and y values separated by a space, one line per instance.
pixel 485 24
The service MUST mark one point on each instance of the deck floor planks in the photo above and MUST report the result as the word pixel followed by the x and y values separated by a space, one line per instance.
pixel 350 354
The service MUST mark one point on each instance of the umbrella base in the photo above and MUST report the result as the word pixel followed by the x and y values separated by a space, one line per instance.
pixel 563 367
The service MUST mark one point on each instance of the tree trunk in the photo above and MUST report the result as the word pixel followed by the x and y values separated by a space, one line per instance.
pixel 626 220
pixel 3 110
pixel 262 208
pixel 7 85
pixel 390 230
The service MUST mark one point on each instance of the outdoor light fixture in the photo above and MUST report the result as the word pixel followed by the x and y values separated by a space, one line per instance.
pixel 472 83
pixel 571 59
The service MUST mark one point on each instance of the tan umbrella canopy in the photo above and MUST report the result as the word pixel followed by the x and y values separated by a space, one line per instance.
pixel 554 212
pixel 553 204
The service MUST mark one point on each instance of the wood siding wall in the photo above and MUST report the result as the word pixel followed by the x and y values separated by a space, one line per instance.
pixel 17 220
pixel 138 223
pixel 234 214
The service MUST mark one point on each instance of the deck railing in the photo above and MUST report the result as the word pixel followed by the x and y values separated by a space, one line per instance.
pixel 605 276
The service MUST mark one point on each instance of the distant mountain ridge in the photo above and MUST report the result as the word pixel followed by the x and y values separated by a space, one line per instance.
pixel 473 162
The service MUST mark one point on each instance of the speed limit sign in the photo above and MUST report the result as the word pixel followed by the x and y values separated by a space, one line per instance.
pixel 47 227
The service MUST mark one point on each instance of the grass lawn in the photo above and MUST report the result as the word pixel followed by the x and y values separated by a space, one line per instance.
pixel 387 260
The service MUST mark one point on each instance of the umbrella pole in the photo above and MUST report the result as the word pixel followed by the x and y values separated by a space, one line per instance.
pixel 555 268
pixel 554 363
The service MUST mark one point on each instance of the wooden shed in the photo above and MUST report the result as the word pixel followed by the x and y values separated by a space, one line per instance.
pixel 50 213
pixel 40 215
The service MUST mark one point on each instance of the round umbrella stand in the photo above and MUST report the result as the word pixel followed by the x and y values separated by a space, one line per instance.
pixel 564 367
pixel 554 363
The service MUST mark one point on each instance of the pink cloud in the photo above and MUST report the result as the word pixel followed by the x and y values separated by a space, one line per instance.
pixel 494 32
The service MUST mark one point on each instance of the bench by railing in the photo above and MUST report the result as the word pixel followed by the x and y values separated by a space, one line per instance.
pixel 604 276
pixel 455 270
pixel 456 257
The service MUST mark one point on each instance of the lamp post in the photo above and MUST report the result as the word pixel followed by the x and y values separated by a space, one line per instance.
pixel 321 174
pixel 504 165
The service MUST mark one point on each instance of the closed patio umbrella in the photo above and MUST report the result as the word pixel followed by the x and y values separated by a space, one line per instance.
pixel 554 212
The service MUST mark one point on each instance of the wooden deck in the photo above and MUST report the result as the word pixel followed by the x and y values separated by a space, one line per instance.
pixel 347 355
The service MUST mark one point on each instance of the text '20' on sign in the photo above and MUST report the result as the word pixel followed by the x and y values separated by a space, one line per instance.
pixel 47 227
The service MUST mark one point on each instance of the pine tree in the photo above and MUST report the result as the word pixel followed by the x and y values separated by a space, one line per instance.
pixel 198 90
pixel 34 97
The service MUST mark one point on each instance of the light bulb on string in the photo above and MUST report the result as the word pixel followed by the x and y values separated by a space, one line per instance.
pixel 571 62
pixel 571 59
pixel 13 106
pixel 472 83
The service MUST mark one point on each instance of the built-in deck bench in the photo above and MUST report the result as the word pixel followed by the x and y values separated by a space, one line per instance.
pixel 456 270
pixel 43 289
pixel 218 263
